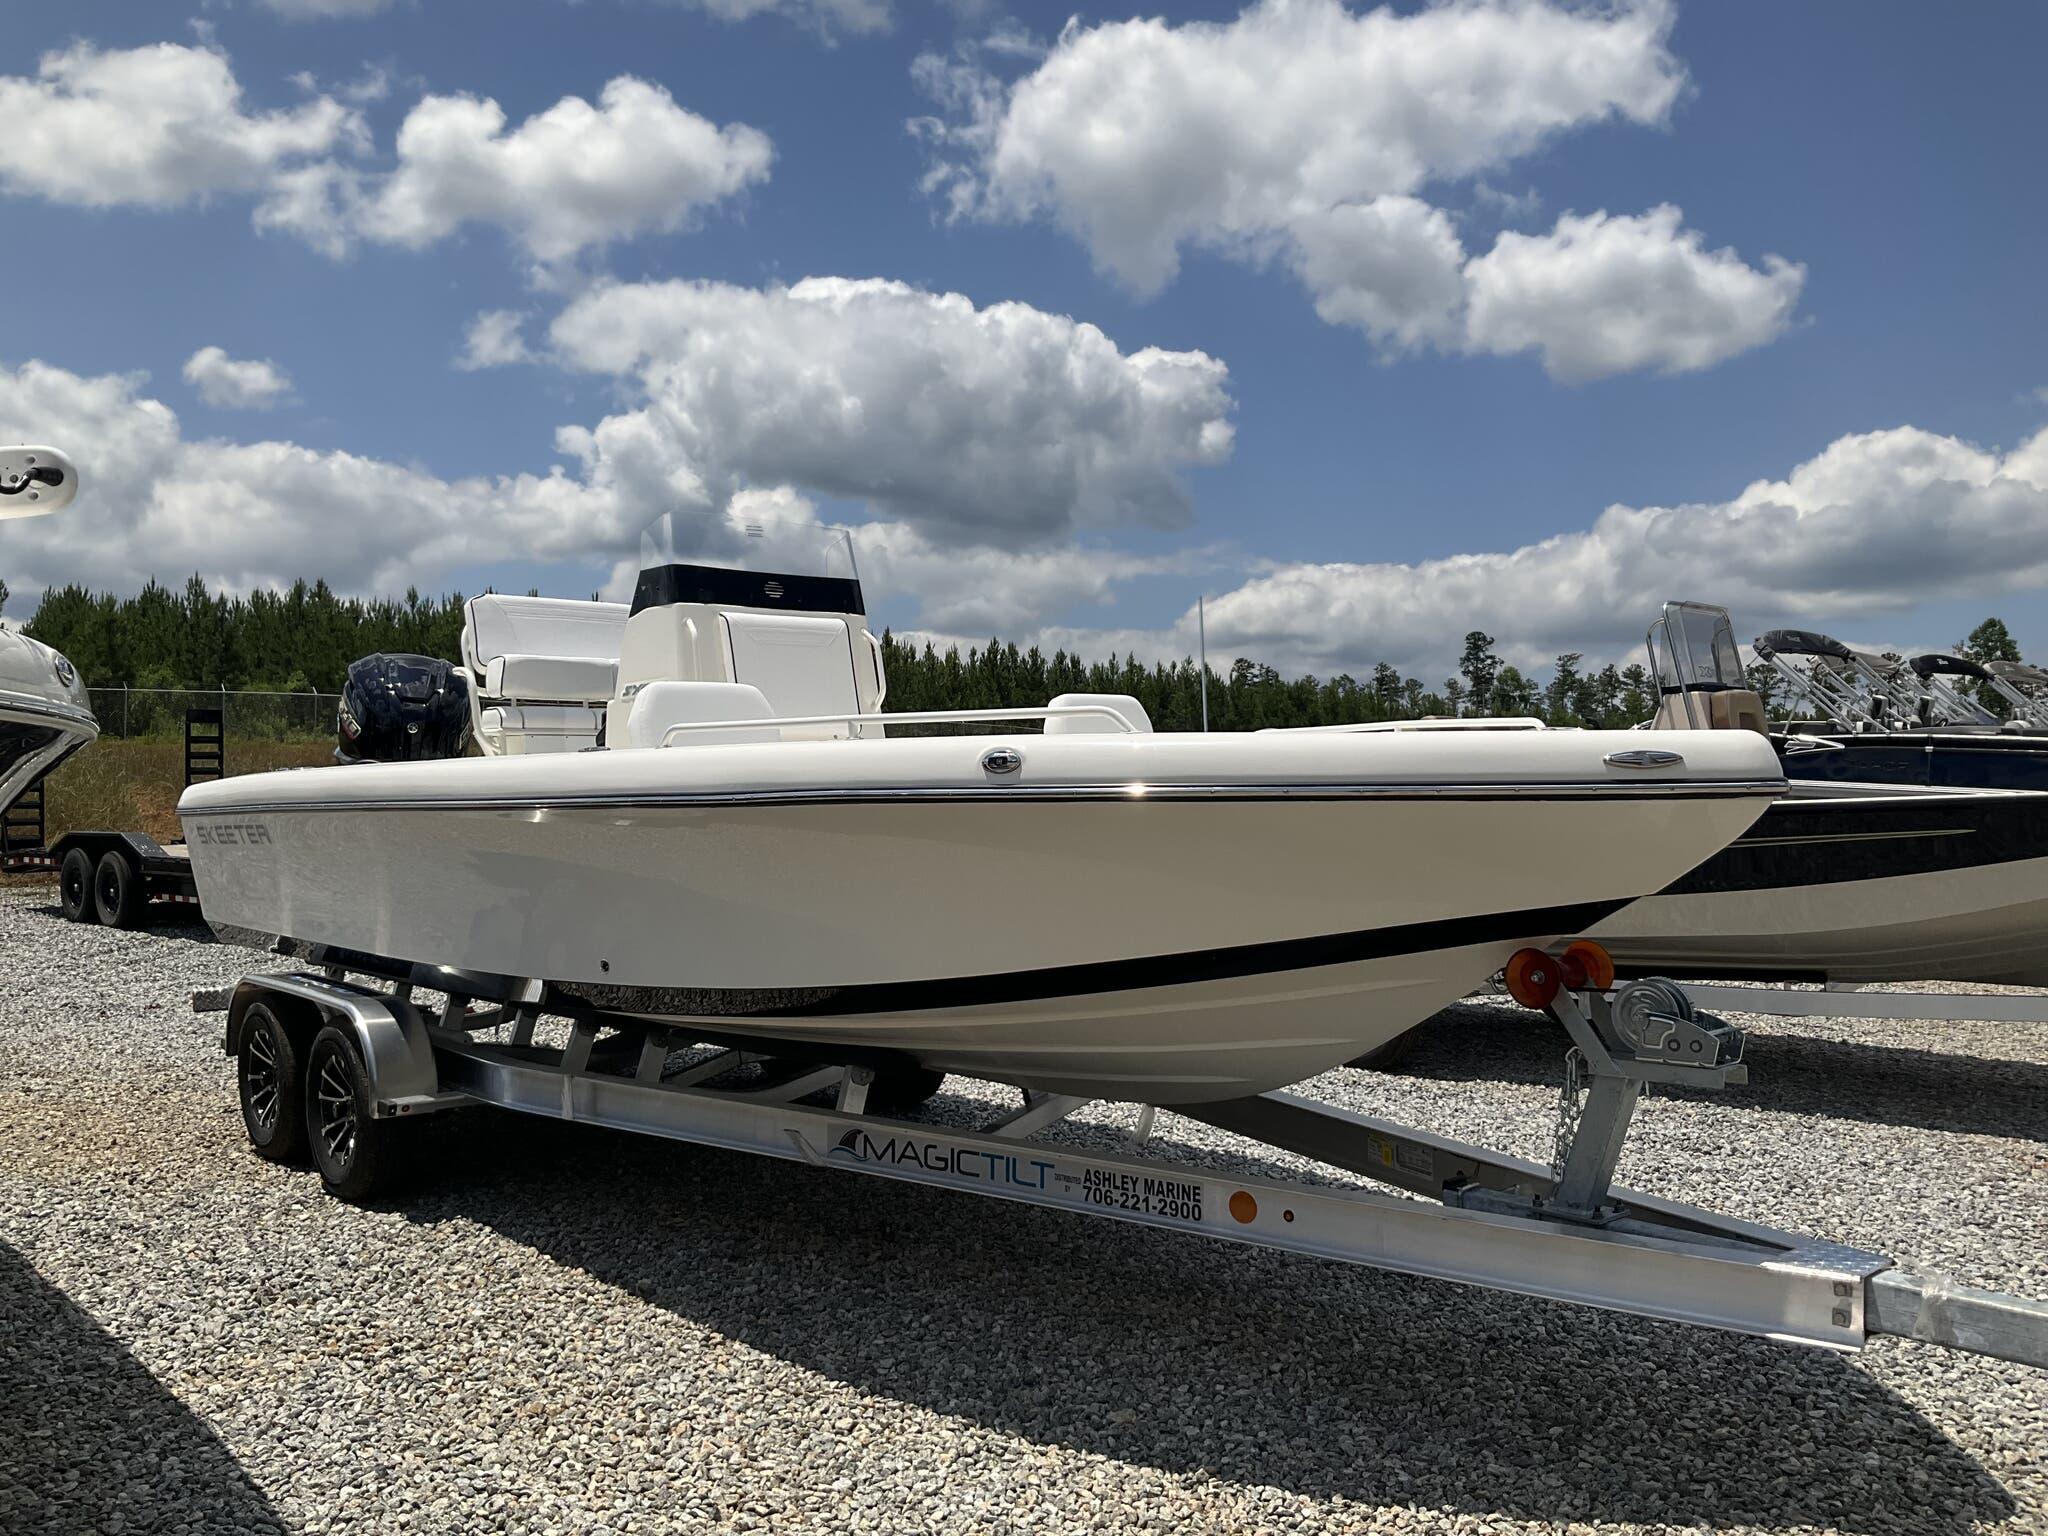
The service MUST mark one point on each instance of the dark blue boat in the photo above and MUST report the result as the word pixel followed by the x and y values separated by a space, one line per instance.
pixel 1889 722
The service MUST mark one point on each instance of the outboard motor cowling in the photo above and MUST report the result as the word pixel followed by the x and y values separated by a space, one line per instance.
pixel 402 709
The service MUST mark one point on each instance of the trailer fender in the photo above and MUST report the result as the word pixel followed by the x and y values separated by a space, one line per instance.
pixel 389 1031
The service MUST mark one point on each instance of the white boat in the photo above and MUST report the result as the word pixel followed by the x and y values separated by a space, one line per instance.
pixel 1091 907
pixel 1845 879
pixel 45 714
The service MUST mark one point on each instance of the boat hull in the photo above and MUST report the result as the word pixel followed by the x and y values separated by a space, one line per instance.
pixel 1864 887
pixel 1170 942
pixel 1935 759
pixel 44 713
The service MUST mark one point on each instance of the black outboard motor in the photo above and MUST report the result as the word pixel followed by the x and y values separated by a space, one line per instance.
pixel 402 709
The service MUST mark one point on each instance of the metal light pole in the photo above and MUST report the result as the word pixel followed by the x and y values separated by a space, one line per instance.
pixel 1202 628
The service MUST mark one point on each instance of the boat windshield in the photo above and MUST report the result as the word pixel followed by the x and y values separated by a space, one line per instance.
pixel 737 542
pixel 736 561
pixel 1692 648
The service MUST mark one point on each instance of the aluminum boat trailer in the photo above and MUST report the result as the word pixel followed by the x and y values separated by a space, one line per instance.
pixel 335 1061
pixel 1870 1000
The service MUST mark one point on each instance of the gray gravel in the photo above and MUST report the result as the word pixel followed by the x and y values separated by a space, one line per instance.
pixel 567 1330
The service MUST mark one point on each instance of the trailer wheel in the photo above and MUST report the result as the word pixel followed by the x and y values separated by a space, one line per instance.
pixel 74 886
pixel 351 1148
pixel 273 1096
pixel 117 890
pixel 898 1090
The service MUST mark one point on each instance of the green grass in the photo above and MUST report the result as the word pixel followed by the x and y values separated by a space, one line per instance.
pixel 133 786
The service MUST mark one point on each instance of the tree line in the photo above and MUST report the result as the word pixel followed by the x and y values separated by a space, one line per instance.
pixel 1250 696
pixel 298 640
pixel 303 639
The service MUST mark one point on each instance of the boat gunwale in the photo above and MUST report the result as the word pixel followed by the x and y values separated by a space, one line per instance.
pixel 1127 792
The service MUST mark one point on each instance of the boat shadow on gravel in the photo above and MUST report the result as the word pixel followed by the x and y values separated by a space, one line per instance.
pixel 1203 1360
pixel 1931 1089
pixel 90 1441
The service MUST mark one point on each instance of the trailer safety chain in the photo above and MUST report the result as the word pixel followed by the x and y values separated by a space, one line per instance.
pixel 1571 1105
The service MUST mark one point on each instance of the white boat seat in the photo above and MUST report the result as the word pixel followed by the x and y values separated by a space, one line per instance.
pixel 558 679
pixel 802 663
pixel 498 625
pixel 541 670
pixel 516 729
pixel 659 707
pixel 1092 725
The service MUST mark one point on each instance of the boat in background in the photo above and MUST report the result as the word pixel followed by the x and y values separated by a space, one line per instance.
pixel 2025 690
pixel 45 713
pixel 1839 881
pixel 758 856
pixel 1904 721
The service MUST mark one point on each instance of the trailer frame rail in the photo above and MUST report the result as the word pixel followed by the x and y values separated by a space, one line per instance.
pixel 1562 1233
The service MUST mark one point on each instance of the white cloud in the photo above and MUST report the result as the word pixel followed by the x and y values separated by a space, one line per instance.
pixel 1142 137
pixel 1392 267
pixel 955 594
pixel 1001 425
pixel 1304 134
pixel 326 10
pixel 1601 295
pixel 984 591
pixel 980 439
pixel 1871 527
pixel 156 127
pixel 1875 524
pixel 828 17
pixel 253 384
pixel 575 176
pixel 157 503
pixel 495 338
pixel 164 125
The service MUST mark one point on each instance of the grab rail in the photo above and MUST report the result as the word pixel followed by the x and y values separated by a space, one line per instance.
pixel 881 676
pixel 905 717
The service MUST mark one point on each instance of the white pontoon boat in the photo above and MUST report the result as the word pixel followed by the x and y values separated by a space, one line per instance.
pixel 759 856
pixel 45 714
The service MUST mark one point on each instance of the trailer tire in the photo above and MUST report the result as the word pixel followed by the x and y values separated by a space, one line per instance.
pixel 898 1090
pixel 353 1149
pixel 273 1093
pixel 74 886
pixel 117 890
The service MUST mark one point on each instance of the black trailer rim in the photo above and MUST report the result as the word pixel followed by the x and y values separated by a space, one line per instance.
pixel 334 1109
pixel 259 1079
pixel 108 886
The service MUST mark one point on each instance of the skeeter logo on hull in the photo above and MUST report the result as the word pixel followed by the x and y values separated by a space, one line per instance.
pixel 1002 1169
pixel 231 834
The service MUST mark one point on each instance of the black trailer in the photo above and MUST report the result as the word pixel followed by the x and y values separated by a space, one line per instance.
pixel 117 878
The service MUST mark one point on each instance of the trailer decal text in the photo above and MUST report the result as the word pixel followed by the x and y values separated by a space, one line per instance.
pixel 1001 1168
pixel 1176 1199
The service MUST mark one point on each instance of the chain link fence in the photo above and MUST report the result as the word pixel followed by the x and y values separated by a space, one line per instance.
pixel 144 713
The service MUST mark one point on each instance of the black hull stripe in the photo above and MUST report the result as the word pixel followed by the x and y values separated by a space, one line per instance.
pixel 1202 965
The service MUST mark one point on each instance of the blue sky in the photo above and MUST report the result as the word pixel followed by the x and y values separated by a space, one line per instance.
pixel 1890 151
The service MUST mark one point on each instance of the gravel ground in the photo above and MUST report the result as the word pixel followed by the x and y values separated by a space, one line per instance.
pixel 567 1330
